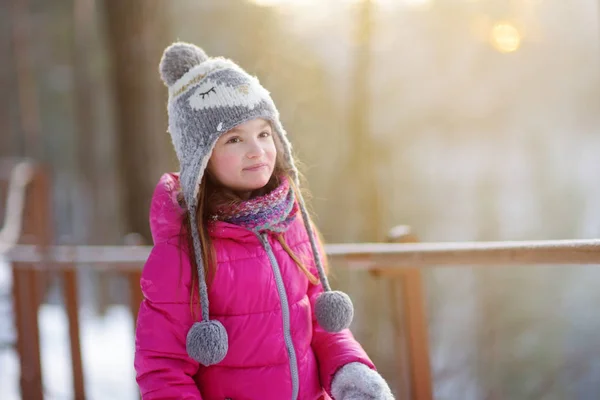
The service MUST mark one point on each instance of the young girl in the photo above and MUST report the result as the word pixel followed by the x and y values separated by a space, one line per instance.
pixel 231 232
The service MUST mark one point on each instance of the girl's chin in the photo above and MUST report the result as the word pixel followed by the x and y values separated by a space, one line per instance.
pixel 254 184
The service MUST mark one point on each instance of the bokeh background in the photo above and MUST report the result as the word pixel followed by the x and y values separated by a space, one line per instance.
pixel 467 120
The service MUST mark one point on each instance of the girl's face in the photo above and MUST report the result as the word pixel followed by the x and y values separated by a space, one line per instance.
pixel 244 158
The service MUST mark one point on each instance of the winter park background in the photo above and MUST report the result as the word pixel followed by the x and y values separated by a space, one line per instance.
pixel 468 120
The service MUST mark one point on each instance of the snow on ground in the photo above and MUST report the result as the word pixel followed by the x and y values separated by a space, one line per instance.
pixel 107 351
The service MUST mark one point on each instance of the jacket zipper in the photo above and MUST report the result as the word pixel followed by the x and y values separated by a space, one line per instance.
pixel 285 312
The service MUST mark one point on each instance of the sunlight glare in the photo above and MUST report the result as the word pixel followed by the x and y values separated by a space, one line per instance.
pixel 505 37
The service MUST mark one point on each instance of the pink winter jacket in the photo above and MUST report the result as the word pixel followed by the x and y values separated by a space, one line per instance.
pixel 245 299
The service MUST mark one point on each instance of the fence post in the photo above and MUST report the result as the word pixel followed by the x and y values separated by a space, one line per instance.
pixel 27 285
pixel 133 282
pixel 71 298
pixel 25 289
pixel 133 279
pixel 414 339
pixel 135 294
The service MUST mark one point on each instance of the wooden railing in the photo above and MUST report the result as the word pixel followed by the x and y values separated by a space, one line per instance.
pixel 398 261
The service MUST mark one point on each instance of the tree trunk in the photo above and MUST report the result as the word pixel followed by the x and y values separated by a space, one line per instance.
pixel 362 158
pixel 7 109
pixel 136 38
pixel 26 85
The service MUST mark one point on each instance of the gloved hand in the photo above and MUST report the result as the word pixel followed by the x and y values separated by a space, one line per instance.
pixel 356 381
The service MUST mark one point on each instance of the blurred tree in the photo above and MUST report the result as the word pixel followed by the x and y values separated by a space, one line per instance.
pixel 258 39
pixel 362 161
pixel 26 86
pixel 137 34
pixel 87 180
pixel 8 145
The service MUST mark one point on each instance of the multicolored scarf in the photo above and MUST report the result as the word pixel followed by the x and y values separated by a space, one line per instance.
pixel 273 211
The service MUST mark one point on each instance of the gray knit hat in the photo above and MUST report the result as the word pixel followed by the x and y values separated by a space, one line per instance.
pixel 208 97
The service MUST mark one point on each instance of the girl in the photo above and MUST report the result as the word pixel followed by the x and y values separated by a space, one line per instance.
pixel 231 232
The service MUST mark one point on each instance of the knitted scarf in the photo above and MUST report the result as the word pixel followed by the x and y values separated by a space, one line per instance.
pixel 273 211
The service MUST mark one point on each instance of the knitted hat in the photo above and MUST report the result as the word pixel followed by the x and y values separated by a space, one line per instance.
pixel 208 97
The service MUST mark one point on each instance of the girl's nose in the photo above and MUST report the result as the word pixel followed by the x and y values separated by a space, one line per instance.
pixel 255 150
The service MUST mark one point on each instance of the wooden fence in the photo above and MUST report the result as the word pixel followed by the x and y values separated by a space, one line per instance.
pixel 25 240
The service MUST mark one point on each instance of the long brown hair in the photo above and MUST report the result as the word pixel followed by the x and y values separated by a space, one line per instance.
pixel 211 196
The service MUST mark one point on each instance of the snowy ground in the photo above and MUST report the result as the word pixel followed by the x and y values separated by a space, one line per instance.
pixel 107 344
pixel 107 351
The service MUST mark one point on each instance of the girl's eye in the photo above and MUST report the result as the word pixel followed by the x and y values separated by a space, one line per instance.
pixel 264 134
pixel 234 139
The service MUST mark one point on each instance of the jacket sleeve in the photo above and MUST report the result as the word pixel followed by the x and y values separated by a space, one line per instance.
pixel 163 368
pixel 333 350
